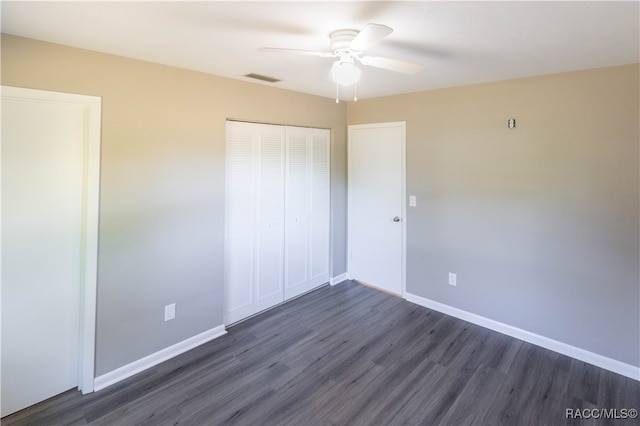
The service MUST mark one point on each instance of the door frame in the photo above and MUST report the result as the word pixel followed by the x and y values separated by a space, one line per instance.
pixel 403 245
pixel 90 218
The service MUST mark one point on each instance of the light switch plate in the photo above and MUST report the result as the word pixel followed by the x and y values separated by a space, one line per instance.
pixel 412 200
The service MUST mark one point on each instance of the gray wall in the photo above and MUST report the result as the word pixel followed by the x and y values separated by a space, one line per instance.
pixel 540 223
pixel 162 184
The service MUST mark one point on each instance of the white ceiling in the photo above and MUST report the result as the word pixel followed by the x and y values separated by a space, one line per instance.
pixel 458 43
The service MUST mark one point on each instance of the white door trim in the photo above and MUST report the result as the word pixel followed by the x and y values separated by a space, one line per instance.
pixel 402 125
pixel 91 189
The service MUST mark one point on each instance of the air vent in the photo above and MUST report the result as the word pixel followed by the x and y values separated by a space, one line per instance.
pixel 262 78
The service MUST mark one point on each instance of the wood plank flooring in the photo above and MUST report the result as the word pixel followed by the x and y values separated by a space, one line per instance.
pixel 350 355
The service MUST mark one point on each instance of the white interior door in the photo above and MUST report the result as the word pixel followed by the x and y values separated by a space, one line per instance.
pixel 49 245
pixel 376 215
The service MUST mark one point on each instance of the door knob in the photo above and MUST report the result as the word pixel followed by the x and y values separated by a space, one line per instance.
pixel 396 219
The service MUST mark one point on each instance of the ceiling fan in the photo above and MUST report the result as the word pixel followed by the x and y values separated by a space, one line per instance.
pixel 349 46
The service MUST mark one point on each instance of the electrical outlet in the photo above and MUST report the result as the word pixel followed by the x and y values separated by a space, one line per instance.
pixel 452 278
pixel 170 312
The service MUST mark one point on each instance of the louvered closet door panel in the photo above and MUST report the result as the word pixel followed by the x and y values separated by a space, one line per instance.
pixel 240 196
pixel 270 254
pixel 320 209
pixel 296 220
pixel 307 210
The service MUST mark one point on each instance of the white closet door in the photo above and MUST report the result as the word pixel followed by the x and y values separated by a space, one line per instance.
pixel 254 219
pixel 277 215
pixel 296 213
pixel 320 208
pixel 269 254
pixel 307 210
pixel 240 195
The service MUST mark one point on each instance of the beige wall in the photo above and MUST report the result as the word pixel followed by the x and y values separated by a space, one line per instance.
pixel 540 223
pixel 162 184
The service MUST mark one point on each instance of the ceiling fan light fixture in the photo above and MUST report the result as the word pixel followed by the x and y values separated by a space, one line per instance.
pixel 345 73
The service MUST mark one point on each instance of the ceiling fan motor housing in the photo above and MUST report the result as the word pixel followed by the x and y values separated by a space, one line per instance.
pixel 340 42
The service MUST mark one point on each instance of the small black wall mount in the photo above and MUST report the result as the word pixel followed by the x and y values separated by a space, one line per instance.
pixel 511 123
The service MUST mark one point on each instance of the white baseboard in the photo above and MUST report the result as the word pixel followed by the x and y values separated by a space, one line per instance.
pixel 337 280
pixel 156 358
pixel 610 364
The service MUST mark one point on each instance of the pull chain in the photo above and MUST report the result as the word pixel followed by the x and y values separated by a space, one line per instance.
pixel 355 93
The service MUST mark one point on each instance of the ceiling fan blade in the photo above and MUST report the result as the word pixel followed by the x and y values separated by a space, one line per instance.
pixel 297 52
pixel 392 64
pixel 370 35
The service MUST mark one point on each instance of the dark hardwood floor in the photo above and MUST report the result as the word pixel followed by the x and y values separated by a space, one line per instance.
pixel 350 355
